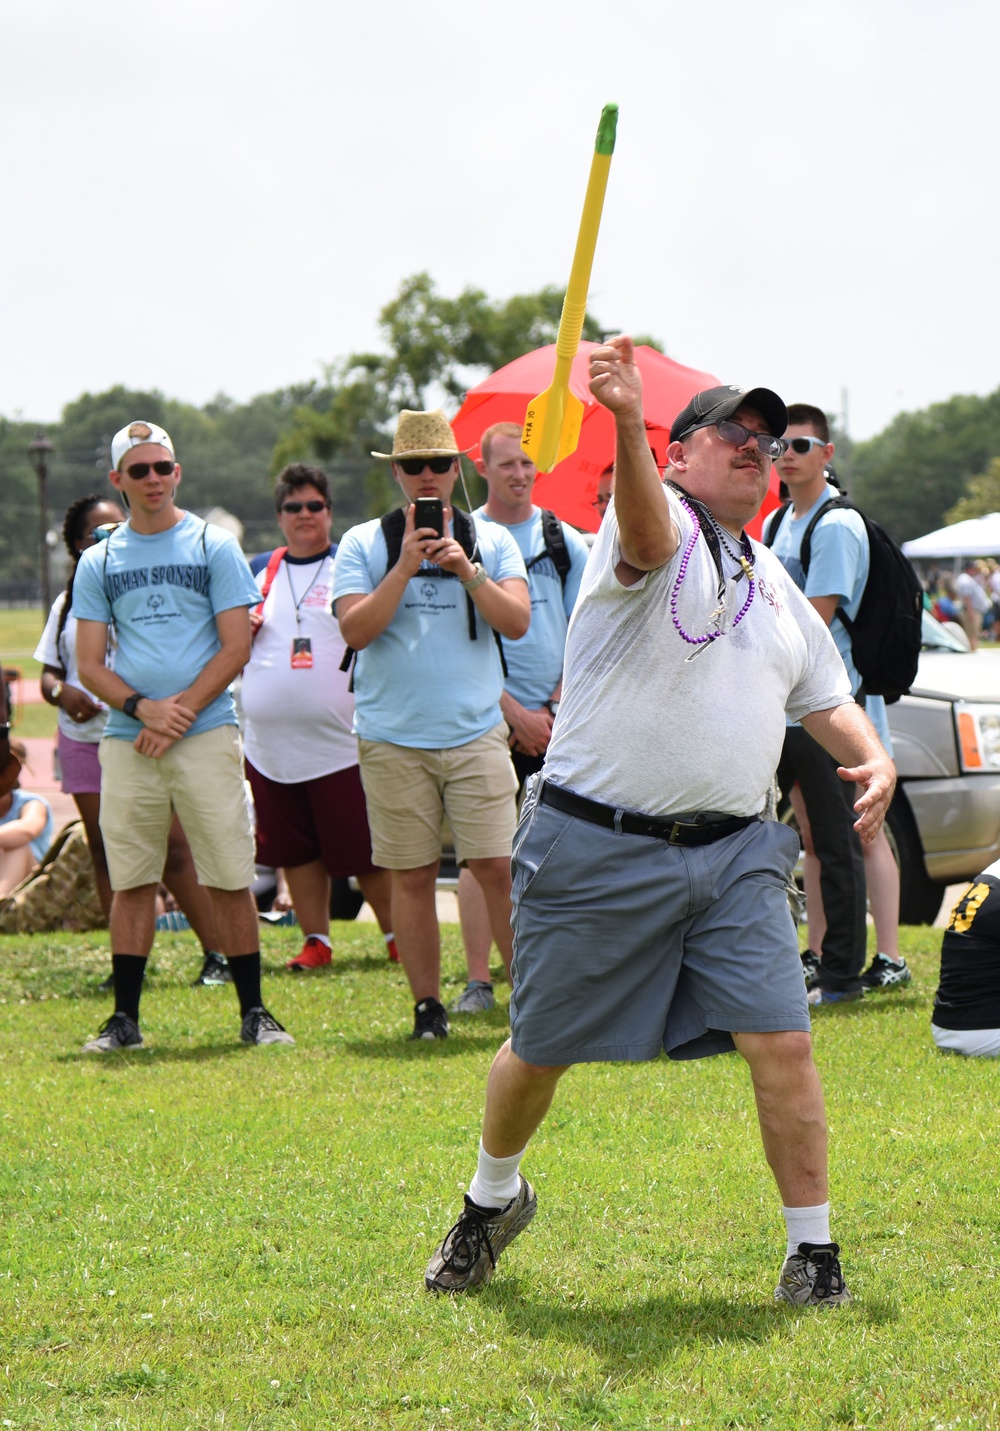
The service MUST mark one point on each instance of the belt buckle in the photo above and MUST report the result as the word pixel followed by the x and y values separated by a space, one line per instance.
pixel 676 836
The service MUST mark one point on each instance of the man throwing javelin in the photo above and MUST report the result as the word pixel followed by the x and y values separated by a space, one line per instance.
pixel 641 864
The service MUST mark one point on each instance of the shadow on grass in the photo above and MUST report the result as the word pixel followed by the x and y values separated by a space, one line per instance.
pixel 146 1056
pixel 486 1035
pixel 649 1332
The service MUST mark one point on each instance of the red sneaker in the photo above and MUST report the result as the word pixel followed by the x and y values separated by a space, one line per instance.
pixel 314 955
pixel 392 951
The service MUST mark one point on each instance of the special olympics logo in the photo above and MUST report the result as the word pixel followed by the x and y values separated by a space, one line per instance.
pixel 155 602
pixel 428 590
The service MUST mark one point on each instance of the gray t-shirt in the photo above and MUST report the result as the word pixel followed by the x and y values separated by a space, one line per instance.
pixel 642 727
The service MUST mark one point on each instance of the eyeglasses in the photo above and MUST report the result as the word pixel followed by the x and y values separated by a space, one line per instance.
pixel 413 466
pixel 737 434
pixel 293 508
pixel 139 470
pixel 802 445
pixel 600 502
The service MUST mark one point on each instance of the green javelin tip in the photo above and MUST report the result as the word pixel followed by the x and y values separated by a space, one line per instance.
pixel 605 143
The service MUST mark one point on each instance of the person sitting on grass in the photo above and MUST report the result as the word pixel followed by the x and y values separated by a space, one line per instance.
pixel 25 830
pixel 966 1014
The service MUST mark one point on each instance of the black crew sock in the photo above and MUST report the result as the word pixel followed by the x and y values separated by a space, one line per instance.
pixel 129 971
pixel 245 969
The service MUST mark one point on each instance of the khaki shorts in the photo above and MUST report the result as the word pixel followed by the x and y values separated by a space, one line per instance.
pixel 409 792
pixel 201 779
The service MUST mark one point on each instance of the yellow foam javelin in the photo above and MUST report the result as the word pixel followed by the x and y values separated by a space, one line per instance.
pixel 552 422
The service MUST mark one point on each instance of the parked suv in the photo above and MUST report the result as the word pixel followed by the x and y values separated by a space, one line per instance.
pixel 944 821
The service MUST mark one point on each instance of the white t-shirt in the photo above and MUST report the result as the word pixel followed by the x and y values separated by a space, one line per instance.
pixel 969 589
pixel 63 655
pixel 298 718
pixel 641 726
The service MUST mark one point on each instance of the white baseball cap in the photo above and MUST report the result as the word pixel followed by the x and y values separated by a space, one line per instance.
pixel 135 435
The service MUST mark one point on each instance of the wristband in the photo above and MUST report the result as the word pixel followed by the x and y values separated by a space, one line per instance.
pixel 130 702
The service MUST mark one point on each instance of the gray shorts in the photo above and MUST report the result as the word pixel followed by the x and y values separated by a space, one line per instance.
pixel 625 945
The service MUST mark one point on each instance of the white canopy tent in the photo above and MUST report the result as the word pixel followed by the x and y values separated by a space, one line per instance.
pixel 976 537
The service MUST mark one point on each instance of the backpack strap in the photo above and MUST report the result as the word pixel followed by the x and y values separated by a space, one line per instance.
pixel 554 540
pixel 270 571
pixel 805 551
pixel 774 521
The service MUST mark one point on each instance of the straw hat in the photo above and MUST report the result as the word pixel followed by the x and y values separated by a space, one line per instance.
pixel 421 434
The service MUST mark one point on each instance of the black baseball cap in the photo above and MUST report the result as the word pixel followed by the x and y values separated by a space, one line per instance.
pixel 714 404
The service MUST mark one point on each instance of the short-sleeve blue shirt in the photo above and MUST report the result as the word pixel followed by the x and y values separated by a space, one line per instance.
pixel 535 663
pixel 162 592
pixel 424 683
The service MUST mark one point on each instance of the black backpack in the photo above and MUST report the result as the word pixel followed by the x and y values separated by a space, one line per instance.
pixel 886 633
pixel 555 546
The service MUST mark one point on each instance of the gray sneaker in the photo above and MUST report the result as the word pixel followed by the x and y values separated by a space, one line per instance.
pixel 260 1027
pixel 468 1255
pixel 812 1277
pixel 115 1033
pixel 475 998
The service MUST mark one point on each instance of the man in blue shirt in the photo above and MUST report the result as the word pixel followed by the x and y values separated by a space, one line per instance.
pixel 177 593
pixel 835 875
pixel 427 688
pixel 534 664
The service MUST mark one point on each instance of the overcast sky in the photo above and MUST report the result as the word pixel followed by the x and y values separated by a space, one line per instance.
pixel 208 196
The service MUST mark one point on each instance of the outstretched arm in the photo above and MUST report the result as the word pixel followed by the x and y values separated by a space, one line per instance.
pixel 847 733
pixel 647 535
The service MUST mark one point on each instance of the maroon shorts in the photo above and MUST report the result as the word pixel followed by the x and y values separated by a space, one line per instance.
pixel 323 819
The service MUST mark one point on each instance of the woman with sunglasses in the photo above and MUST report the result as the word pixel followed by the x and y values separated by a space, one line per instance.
pixel 81 721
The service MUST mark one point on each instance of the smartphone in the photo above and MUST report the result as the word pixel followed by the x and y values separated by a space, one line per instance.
pixel 429 512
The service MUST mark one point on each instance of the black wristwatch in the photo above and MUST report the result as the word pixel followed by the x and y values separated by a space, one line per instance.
pixel 130 702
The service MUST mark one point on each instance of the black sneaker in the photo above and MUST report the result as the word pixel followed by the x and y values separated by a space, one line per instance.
pixel 812 1277
pixel 430 1020
pixel 884 973
pixel 260 1027
pixel 115 1033
pixel 468 1255
pixel 810 968
pixel 214 972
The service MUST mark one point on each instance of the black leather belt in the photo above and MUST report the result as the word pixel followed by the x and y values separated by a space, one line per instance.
pixel 692 830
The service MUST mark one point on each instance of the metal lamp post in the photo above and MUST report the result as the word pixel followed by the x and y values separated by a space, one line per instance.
pixel 39 451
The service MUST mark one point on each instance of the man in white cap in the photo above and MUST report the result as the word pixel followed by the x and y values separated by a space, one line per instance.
pixel 178 593
pixel 420 606
pixel 641 863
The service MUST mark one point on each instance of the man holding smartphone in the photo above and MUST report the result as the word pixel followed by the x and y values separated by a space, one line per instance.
pixel 420 605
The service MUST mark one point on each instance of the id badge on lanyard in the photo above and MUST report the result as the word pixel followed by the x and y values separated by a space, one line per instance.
pixel 302 656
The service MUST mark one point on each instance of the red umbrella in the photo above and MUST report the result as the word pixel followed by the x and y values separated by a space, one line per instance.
pixel 571 487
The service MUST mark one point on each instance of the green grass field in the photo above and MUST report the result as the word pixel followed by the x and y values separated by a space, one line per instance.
pixel 204 1235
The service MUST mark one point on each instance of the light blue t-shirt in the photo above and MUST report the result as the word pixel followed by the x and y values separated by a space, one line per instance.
pixel 163 592
pixel 838 566
pixel 20 798
pixel 424 683
pixel 535 663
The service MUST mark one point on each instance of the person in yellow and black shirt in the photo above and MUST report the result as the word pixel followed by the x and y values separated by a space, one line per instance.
pixel 966 1016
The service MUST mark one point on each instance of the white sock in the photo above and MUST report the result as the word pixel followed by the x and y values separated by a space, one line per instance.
pixel 496 1180
pixel 893 959
pixel 806 1224
pixel 389 937
pixel 323 939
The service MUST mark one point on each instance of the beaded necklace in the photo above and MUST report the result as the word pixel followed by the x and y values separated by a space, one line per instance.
pixel 706 525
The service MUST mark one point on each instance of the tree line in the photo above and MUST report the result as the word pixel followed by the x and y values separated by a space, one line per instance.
pixel 924 469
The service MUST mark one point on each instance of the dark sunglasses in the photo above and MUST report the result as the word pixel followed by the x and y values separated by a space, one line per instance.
pixel 737 434
pixel 413 466
pixel 139 470
pixel 802 445
pixel 292 508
